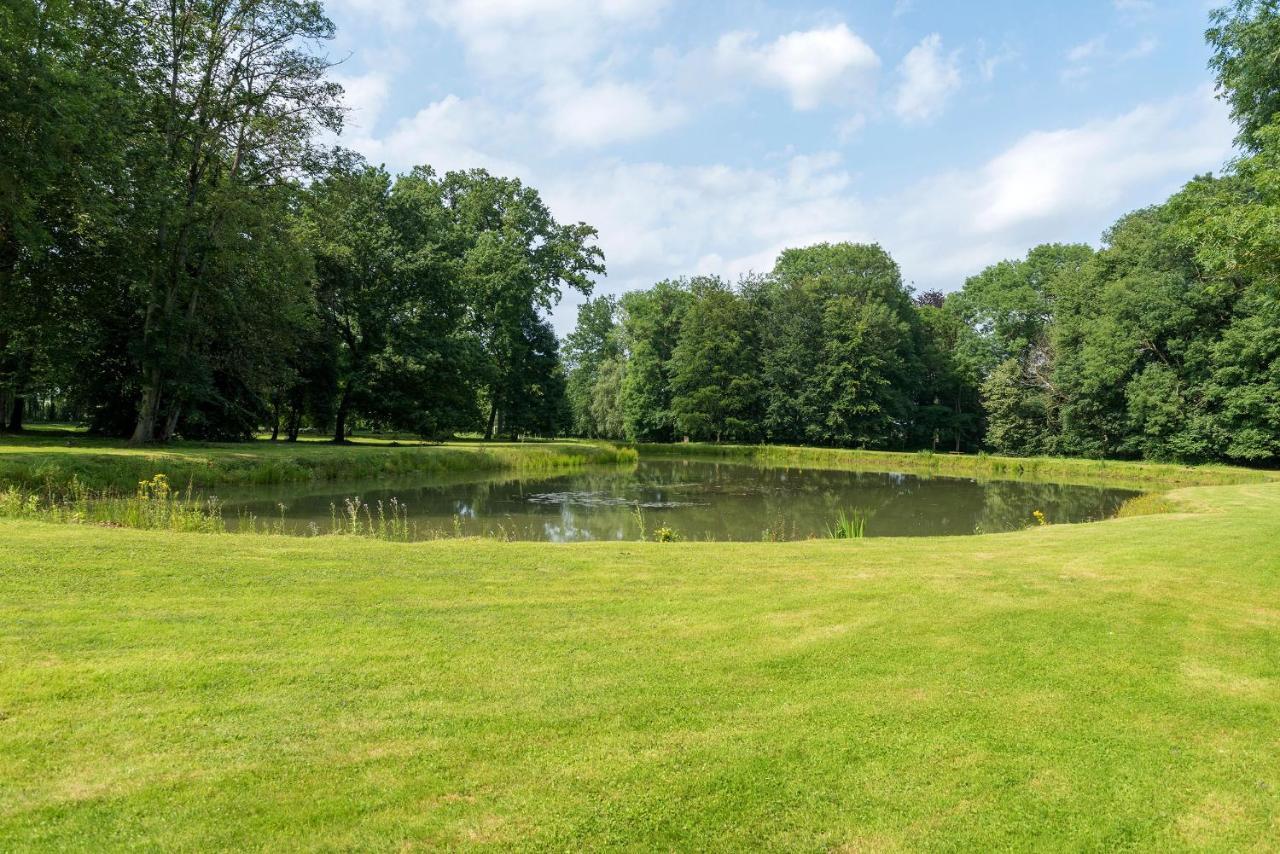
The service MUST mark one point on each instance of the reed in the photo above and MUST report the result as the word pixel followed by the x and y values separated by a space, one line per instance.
pixel 983 466
pixel 50 468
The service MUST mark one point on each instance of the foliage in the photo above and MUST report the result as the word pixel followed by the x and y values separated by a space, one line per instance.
pixel 651 322
pixel 848 526
pixel 715 392
pixel 1245 37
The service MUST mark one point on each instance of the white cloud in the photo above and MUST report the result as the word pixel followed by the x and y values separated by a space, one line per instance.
pixel 392 14
pixel 544 37
pixel 1087 50
pixel 851 128
pixel 658 221
pixel 1134 7
pixel 593 116
pixel 365 96
pixel 1145 47
pixel 928 79
pixel 989 63
pixel 451 133
pixel 1083 59
pixel 1059 185
pixel 813 66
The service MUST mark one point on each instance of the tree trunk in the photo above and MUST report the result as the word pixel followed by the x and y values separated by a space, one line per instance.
pixel 171 421
pixel 340 429
pixel 295 422
pixel 17 414
pixel 957 425
pixel 145 431
pixel 275 423
pixel 493 421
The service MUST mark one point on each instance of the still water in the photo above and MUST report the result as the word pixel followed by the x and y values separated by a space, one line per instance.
pixel 696 500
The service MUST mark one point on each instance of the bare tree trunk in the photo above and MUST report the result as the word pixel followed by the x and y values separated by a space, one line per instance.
pixel 493 421
pixel 171 421
pixel 145 431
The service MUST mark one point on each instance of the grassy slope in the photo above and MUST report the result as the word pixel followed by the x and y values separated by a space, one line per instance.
pixel 1099 686
pixel 50 460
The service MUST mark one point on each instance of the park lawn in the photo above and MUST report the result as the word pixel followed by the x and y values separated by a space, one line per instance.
pixel 1114 685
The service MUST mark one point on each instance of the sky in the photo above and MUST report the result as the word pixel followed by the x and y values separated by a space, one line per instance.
pixel 704 136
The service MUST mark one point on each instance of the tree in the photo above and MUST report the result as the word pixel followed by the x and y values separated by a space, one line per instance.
pixel 793 401
pixel 67 100
pixel 947 406
pixel 843 365
pixel 513 260
pixel 1010 305
pixel 535 390
pixel 863 373
pixel 233 101
pixel 715 390
pixel 606 397
pixel 1245 37
pixel 358 289
pixel 651 323
pixel 384 295
pixel 1020 416
pixel 593 342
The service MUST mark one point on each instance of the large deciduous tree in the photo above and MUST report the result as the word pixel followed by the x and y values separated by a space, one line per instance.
pixel 715 387
pixel 234 96
pixel 68 101
pixel 513 260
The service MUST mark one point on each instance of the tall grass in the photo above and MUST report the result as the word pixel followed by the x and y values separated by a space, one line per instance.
pixel 50 469
pixel 848 526
pixel 154 506
pixel 986 466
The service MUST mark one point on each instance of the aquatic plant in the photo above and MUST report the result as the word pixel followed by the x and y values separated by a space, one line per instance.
pixel 848 526
pixel 665 535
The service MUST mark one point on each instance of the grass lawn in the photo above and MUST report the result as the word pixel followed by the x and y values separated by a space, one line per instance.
pixel 1114 685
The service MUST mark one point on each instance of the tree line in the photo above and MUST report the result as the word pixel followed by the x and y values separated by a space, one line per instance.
pixel 1164 344
pixel 179 255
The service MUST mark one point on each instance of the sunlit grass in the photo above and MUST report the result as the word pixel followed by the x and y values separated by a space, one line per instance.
pixel 1104 686
pixel 51 463
pixel 1062 470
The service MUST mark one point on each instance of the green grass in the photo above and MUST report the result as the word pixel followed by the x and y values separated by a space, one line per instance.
pixel 1061 470
pixel 1114 685
pixel 1104 686
pixel 56 462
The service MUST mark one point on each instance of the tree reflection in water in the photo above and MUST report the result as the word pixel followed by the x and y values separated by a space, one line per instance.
pixel 700 500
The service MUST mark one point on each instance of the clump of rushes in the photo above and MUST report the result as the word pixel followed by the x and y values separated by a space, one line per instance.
pixel 381 521
pixel 848 526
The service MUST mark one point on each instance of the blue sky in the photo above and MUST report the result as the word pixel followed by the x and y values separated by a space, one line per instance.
pixel 704 137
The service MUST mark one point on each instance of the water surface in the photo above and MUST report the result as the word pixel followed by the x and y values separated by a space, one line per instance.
pixel 698 500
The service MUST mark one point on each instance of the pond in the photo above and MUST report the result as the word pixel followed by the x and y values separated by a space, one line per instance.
pixel 696 500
